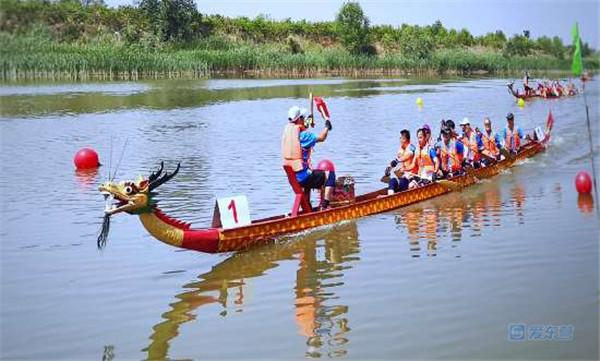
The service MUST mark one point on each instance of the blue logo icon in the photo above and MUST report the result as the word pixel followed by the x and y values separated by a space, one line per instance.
pixel 516 332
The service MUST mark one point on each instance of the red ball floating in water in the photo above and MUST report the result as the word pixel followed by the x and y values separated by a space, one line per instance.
pixel 583 182
pixel 326 165
pixel 86 158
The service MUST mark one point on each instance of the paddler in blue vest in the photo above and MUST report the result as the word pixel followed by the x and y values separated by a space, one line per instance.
pixel 296 148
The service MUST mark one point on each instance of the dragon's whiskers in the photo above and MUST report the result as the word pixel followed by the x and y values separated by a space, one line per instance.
pixel 103 236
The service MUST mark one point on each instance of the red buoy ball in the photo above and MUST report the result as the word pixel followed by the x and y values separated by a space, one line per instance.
pixel 86 158
pixel 326 165
pixel 583 182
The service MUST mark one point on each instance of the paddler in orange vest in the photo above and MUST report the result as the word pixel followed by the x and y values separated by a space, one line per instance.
pixel 491 142
pixel 401 164
pixel 450 153
pixel 472 144
pixel 426 160
pixel 512 136
pixel 296 149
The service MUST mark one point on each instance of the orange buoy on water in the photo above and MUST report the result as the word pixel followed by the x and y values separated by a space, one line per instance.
pixel 86 158
pixel 583 182
pixel 326 165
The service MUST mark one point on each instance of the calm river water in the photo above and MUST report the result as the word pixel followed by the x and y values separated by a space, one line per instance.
pixel 441 279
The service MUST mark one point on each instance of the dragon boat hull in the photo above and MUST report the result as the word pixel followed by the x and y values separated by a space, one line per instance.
pixel 217 240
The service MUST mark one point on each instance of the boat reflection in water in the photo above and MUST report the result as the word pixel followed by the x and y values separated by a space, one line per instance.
pixel 323 256
pixel 452 214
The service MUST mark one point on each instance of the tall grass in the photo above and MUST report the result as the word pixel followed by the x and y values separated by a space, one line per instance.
pixel 38 57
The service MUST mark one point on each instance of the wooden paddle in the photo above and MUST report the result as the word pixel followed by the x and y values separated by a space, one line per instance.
pixel 312 115
pixel 490 158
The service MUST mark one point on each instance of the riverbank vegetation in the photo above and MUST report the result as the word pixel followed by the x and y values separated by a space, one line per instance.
pixel 158 38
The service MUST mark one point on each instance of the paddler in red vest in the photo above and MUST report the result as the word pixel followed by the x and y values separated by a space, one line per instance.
pixel 296 147
pixel 472 144
pixel 491 142
pixel 426 160
pixel 450 152
pixel 404 162
pixel 512 136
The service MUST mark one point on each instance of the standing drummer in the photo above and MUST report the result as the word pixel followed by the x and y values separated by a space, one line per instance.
pixel 296 148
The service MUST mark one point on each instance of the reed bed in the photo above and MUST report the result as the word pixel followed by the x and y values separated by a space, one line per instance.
pixel 34 58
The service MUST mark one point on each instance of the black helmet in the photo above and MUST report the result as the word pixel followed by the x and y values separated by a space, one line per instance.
pixel 450 124
pixel 510 116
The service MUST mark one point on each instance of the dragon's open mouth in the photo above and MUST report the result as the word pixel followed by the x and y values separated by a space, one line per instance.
pixel 113 203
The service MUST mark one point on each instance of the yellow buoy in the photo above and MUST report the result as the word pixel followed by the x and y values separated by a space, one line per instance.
pixel 419 102
pixel 521 102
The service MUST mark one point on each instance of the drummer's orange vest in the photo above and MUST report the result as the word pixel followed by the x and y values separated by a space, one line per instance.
pixel 489 142
pixel 425 163
pixel 406 164
pixel 471 143
pixel 512 141
pixel 448 152
pixel 291 152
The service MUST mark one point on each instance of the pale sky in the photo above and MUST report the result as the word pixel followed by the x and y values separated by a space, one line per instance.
pixel 540 17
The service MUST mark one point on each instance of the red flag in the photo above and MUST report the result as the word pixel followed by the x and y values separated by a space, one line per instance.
pixel 549 121
pixel 549 125
pixel 321 107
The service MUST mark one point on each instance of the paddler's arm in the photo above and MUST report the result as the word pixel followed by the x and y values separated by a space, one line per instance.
pixel 323 135
pixel 404 157
pixel 413 163
pixel 436 161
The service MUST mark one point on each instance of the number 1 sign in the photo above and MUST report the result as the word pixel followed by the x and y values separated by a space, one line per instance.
pixel 231 212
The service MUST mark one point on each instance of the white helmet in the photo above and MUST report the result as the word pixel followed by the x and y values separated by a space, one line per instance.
pixel 304 113
pixel 293 114
pixel 465 121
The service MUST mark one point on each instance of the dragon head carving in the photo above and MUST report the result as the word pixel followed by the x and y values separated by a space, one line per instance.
pixel 135 197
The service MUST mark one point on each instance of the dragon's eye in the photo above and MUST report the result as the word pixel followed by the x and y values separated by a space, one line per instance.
pixel 129 189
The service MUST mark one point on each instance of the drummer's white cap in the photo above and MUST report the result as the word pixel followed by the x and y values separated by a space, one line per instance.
pixel 304 113
pixel 294 113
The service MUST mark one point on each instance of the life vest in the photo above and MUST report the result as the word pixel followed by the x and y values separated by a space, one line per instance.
pixel 512 141
pixel 291 152
pixel 408 162
pixel 425 163
pixel 470 143
pixel 451 160
pixel 489 142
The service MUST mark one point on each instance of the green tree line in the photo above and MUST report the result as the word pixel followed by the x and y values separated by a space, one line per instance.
pixel 177 25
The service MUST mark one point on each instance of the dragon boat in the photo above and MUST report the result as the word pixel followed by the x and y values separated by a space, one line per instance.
pixel 528 96
pixel 139 198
